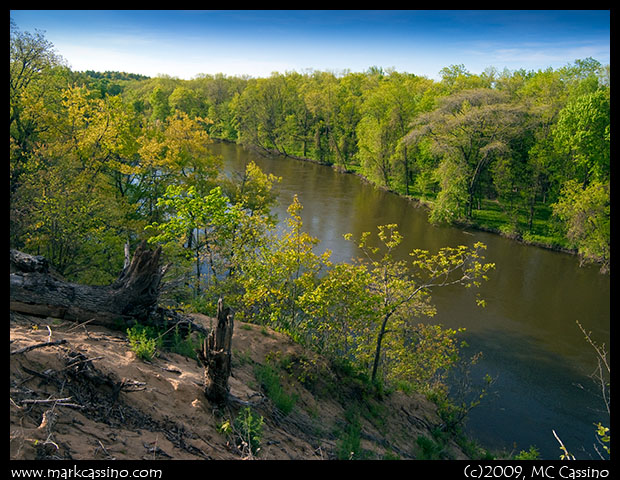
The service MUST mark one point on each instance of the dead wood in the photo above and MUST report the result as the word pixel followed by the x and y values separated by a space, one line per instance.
pixel 131 298
pixel 34 290
pixel 38 345
pixel 216 356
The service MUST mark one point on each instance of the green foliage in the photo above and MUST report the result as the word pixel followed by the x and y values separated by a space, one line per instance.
pixel 429 449
pixel 604 437
pixel 143 341
pixel 348 446
pixel 583 132
pixel 398 292
pixel 248 430
pixel 513 139
pixel 277 273
pixel 185 345
pixel 585 213
pixel 270 380
pixel 531 454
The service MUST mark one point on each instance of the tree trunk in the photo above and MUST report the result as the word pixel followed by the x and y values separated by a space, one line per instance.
pixel 216 356
pixel 36 289
pixel 375 365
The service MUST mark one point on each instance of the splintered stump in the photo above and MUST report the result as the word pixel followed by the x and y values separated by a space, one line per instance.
pixel 216 356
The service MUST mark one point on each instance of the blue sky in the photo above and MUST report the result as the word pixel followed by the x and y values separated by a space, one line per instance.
pixel 184 43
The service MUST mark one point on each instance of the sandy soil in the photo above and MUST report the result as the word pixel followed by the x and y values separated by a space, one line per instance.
pixel 90 397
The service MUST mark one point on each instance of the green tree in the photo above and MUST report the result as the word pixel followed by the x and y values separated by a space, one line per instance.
pixel 74 210
pixel 278 272
pixel 387 113
pixel 369 311
pixel 405 289
pixel 586 216
pixel 583 132
pixel 159 104
pixel 469 130
pixel 202 224
pixel 339 311
pixel 186 101
pixel 36 79
pixel 175 153
pixel 261 111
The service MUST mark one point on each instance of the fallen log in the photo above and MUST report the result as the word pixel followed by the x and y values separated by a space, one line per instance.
pixel 131 298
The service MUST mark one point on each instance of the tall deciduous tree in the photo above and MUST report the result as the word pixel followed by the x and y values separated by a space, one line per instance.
pixel 583 132
pixel 585 214
pixel 469 130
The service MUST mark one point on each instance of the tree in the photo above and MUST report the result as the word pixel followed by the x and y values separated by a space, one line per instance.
pixel 203 224
pixel 261 111
pixel 369 311
pixel 186 101
pixel 339 312
pixel 387 113
pixel 36 79
pixel 583 132
pixel 469 130
pixel 277 272
pixel 159 104
pixel 176 153
pixel 74 207
pixel 585 214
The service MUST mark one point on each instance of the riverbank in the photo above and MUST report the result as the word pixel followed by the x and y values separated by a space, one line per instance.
pixel 488 219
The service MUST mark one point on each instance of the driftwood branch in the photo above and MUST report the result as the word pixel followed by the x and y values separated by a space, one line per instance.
pixel 38 345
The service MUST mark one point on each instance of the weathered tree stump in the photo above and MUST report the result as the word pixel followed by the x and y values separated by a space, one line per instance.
pixel 216 356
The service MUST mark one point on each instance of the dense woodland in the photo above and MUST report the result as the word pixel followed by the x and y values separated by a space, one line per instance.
pixel 101 161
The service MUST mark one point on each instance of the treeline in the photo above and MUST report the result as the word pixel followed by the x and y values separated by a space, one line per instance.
pixel 522 152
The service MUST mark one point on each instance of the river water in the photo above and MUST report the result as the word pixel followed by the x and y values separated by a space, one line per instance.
pixel 527 332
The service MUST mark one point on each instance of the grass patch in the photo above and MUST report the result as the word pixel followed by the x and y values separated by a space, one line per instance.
pixel 185 345
pixel 145 340
pixel 349 443
pixel 269 378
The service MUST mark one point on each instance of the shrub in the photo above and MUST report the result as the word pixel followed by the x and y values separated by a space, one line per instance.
pixel 248 429
pixel 143 341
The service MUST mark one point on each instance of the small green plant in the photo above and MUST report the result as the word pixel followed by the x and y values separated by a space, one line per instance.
pixel 143 341
pixel 429 449
pixel 248 429
pixel 349 444
pixel 604 437
pixel 270 381
pixel 187 345
pixel 225 427
pixel 531 454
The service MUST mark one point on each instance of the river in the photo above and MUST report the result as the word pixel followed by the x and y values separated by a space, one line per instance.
pixel 527 332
